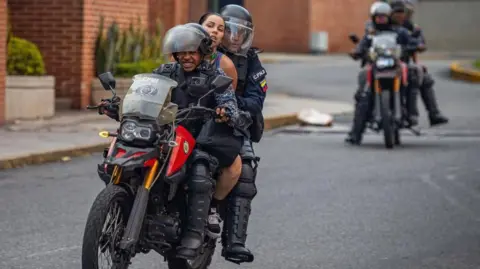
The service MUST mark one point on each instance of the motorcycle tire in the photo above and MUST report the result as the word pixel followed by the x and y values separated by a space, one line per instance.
pixel 387 120
pixel 109 197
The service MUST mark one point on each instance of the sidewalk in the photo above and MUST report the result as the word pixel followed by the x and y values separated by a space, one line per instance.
pixel 76 133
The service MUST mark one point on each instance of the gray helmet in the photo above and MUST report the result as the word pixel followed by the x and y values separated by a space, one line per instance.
pixel 188 37
pixel 380 8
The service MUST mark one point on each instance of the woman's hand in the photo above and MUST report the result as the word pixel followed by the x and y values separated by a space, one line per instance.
pixel 221 112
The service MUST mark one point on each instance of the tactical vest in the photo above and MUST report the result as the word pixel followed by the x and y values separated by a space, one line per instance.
pixel 241 64
pixel 191 86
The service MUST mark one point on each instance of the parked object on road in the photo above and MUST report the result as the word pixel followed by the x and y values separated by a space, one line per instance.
pixel 311 116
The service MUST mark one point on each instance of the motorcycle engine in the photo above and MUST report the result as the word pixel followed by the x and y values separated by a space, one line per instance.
pixel 163 228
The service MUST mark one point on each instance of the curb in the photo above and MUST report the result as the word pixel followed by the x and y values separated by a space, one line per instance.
pixel 462 73
pixel 58 155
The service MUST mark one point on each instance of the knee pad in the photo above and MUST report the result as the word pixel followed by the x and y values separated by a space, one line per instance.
pixel 428 81
pixel 246 183
pixel 246 153
pixel 199 156
pixel 413 76
pixel 200 179
pixel 362 77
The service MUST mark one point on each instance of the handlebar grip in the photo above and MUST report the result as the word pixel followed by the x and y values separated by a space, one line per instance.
pixel 92 107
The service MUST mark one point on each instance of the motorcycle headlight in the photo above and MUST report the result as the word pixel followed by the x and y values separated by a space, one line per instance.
pixel 385 62
pixel 130 131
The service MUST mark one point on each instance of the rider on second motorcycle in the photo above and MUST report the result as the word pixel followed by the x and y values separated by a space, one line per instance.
pixel 381 21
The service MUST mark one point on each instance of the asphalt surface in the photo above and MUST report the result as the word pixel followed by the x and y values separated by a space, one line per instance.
pixel 321 204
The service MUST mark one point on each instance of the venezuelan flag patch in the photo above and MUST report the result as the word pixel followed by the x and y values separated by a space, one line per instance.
pixel 264 85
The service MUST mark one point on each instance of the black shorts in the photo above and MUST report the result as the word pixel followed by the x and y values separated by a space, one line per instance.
pixel 218 140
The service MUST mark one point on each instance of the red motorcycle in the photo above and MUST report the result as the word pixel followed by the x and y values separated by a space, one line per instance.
pixel 143 207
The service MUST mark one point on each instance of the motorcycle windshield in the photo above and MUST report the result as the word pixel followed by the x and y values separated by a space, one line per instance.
pixel 385 40
pixel 149 97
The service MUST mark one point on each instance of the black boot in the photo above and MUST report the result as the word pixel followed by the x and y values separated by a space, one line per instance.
pixel 200 190
pixel 412 107
pixel 428 97
pixel 236 218
pixel 235 236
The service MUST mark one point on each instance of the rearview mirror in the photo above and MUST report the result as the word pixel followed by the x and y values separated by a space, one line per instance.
pixel 354 38
pixel 221 83
pixel 107 80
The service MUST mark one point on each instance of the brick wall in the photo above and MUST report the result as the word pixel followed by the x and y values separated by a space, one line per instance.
pixel 197 9
pixel 65 32
pixel 339 18
pixel 123 12
pixel 164 10
pixel 56 29
pixel 3 34
pixel 280 25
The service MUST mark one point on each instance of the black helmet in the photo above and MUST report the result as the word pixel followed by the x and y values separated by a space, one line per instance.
pixel 188 37
pixel 239 28
pixel 398 6
pixel 237 12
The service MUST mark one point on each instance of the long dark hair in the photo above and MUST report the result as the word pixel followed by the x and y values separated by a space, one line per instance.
pixel 205 16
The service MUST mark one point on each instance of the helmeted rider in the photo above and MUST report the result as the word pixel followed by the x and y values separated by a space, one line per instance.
pixel 402 16
pixel 189 44
pixel 251 92
pixel 381 21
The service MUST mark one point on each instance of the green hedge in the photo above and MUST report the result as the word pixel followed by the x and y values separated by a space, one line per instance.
pixel 126 70
pixel 477 64
pixel 24 58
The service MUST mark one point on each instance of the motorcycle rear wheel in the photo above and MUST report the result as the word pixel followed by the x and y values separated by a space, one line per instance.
pixel 105 225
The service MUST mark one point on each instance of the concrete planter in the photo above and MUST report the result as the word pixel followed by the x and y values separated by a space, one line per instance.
pixel 98 92
pixel 29 97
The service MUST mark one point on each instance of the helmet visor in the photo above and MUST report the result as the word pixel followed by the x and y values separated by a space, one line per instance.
pixel 238 37
pixel 182 39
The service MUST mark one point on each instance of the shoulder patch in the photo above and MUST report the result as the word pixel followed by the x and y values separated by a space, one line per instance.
pixel 264 85
pixel 259 75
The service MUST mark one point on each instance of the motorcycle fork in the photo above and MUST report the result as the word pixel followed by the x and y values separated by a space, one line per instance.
pixel 397 100
pixel 377 90
pixel 137 215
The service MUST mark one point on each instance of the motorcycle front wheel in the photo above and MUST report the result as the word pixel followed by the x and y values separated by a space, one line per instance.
pixel 387 120
pixel 106 223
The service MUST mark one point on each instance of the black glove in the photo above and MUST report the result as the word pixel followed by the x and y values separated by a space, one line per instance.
pixel 110 108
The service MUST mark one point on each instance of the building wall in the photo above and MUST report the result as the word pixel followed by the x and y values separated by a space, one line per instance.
pixel 123 12
pixel 3 52
pixel 338 19
pixel 281 25
pixel 450 24
pixel 65 33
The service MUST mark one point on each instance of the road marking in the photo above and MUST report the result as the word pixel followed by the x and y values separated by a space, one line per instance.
pixel 49 252
pixel 427 179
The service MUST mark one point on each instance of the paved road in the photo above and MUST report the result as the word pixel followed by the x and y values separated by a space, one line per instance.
pixel 334 78
pixel 321 204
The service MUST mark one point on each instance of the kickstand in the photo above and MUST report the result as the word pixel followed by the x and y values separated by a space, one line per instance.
pixel 415 131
